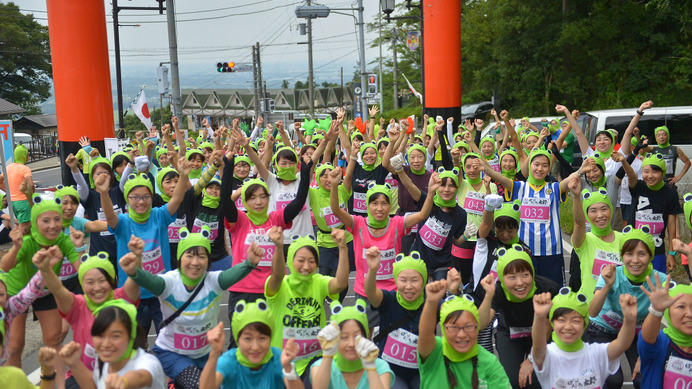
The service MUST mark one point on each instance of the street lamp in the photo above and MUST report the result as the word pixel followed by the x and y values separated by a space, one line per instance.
pixel 311 12
pixel 387 6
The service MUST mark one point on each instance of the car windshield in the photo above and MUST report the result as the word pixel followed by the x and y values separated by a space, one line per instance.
pixel 469 109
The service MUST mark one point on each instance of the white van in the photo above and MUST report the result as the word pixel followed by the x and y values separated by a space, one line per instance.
pixel 677 119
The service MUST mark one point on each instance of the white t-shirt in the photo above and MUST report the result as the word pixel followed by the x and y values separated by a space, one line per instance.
pixel 625 195
pixel 280 196
pixel 187 334
pixel 587 368
pixel 141 361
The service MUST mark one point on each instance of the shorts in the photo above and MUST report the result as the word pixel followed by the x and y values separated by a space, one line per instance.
pixel 22 211
pixel 44 304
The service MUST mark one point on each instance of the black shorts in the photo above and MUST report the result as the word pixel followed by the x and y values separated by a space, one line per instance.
pixel 44 304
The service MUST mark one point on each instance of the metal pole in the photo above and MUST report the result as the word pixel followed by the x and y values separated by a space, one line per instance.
pixel 379 31
pixel 363 77
pixel 311 80
pixel 341 99
pixel 161 101
pixel 396 71
pixel 259 76
pixel 173 50
pixel 118 81
pixel 255 86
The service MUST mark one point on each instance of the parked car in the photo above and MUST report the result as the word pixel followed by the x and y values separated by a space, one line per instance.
pixel 476 110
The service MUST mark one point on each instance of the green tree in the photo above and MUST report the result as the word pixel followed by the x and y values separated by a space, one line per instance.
pixel 284 84
pixel 25 69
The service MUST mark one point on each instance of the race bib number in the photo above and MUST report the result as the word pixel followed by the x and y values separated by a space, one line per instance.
pixel 493 270
pixel 265 244
pixel 391 181
pixel 669 166
pixel 174 229
pixel 535 210
pixel 213 228
pixel 613 319
pixel 519 332
pixel 330 218
pixel 653 220
pixel 89 357
pixel 102 217
pixel 385 271
pixel 495 165
pixel 285 198
pixel 414 229
pixel 359 202
pixel 152 261
pixel 67 270
pixel 400 349
pixel 474 203
pixel 306 339
pixel 434 234
pixel 678 374
pixel 190 338
pixel 602 259
pixel 239 204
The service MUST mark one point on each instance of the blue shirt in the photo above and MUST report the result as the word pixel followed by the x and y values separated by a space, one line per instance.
pixel 156 258
pixel 610 316
pixel 337 377
pixel 235 375
pixel 655 358
pixel 78 223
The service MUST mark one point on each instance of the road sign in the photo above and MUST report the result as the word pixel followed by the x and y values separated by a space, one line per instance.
pixel 357 90
pixel 7 140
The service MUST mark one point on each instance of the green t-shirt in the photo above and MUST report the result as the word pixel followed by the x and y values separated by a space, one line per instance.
pixel 14 377
pixel 83 156
pixel 433 373
pixel 473 202
pixel 593 254
pixel 299 316
pixel 18 277
pixel 326 220
pixel 568 145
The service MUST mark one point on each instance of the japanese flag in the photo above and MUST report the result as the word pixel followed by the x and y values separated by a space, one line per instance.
pixel 142 110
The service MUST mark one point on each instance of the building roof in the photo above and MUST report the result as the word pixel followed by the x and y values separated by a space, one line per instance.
pixel 42 121
pixel 7 108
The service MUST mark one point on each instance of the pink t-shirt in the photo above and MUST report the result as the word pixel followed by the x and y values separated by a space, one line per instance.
pixel 243 233
pixel 684 257
pixel 389 244
pixel 81 319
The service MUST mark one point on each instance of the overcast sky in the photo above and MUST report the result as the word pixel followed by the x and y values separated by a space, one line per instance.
pixel 213 30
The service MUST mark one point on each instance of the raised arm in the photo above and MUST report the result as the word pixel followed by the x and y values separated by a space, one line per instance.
pixel 82 186
pixel 625 144
pixel 293 208
pixel 497 177
pixel 600 295
pixel 45 260
pixel 421 215
pixel 343 215
pixel 102 184
pixel 340 281
pixel 616 348
pixel 541 308
pixel 579 233
pixel 240 139
pixel 228 208
pixel 278 263
pixel 409 185
pixel 351 167
pixel 581 138
pixel 434 292
pixel 179 191
pixel 374 295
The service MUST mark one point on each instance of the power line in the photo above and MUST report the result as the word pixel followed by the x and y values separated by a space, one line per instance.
pixel 212 17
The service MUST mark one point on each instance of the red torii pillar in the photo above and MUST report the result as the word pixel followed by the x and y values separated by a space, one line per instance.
pixel 442 58
pixel 81 74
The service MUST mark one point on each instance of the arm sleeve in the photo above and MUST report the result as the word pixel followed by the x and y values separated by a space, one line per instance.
pixel 204 180
pixel 150 282
pixel 254 134
pixel 446 158
pixel 123 177
pixel 565 167
pixel 230 212
pixel 229 277
pixel 82 187
pixel 294 207
pixel 450 133
pixel 20 302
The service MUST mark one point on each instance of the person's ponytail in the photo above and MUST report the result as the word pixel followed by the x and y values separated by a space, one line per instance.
pixel 474 375
pixel 451 378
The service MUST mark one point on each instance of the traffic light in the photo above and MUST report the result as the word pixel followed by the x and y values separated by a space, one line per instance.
pixel 225 67
pixel 372 84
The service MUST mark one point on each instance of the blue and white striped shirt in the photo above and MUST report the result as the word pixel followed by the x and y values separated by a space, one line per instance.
pixel 540 216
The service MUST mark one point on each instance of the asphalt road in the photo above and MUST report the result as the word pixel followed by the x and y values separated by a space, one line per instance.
pixel 47 178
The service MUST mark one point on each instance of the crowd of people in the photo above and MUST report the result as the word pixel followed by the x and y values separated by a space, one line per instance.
pixel 454 236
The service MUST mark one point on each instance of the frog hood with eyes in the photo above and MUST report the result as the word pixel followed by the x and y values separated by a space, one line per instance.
pixel 411 262
pixel 576 302
pixel 131 312
pixel 453 304
pixel 247 313
pixel 688 209
pixel 134 181
pixel 504 258
pixel 677 336
pixel 98 261
pixel 655 160
pixel 363 148
pixel 63 191
pixel 298 281
pixel 341 314
pixel 454 175
pixel 643 233
pixel 189 240
pixel 40 207
pixel 374 189
pixel 590 198
pixel 256 217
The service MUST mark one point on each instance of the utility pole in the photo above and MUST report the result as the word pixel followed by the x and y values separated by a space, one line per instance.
pixel 363 77
pixel 311 80
pixel 118 80
pixel 173 52
pixel 255 85
pixel 259 78
pixel 396 71
pixel 379 31
pixel 341 98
